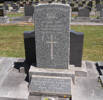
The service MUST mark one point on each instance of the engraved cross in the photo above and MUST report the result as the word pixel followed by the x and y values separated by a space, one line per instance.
pixel 52 44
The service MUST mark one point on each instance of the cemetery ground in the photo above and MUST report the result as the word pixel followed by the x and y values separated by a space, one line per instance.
pixel 12 44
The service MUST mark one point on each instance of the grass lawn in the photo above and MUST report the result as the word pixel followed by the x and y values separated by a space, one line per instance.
pixel 15 15
pixel 11 41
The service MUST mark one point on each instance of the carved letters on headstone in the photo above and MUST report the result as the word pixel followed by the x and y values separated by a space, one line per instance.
pixel 52 35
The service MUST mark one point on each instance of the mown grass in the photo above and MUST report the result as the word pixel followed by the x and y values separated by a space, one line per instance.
pixel 15 15
pixel 12 44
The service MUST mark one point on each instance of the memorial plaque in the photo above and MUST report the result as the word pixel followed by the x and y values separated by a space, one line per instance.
pixel 52 35
pixel 55 86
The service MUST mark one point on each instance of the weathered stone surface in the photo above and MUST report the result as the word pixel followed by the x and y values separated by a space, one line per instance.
pixel 46 85
pixel 52 72
pixel 52 35
pixel 88 88
pixel 12 83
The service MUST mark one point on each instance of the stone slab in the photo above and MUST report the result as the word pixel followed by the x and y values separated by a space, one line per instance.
pixel 52 35
pixel 80 71
pixel 91 69
pixel 87 88
pixel 46 98
pixel 12 83
pixel 54 86
pixel 52 72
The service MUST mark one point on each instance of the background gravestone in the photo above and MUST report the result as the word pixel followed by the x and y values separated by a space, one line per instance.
pixel 101 13
pixel 52 35
pixel 6 6
pixel 83 12
pixel 1 11
pixel 28 10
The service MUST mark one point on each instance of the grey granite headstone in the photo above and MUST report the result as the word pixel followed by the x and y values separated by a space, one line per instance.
pixel 83 12
pixel 52 35
pixel 46 85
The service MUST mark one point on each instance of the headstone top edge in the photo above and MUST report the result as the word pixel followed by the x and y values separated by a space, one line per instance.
pixel 52 77
pixel 46 4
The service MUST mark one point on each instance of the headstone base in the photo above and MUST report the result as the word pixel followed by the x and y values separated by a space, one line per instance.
pixel 80 71
pixel 46 98
pixel 4 19
pixel 50 82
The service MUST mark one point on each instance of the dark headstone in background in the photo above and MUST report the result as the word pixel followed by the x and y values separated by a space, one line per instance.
pixel 6 7
pixel 76 48
pixel 29 43
pixel 98 7
pixel 101 13
pixel 83 12
pixel 28 10
pixel 1 11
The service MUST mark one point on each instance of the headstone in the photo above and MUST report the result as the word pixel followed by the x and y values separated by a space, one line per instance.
pixel 29 39
pixel 28 10
pixel 1 11
pixel 51 76
pixel 6 6
pixel 76 48
pixel 101 13
pixel 52 35
pixel 3 18
pixel 98 7
pixel 83 12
